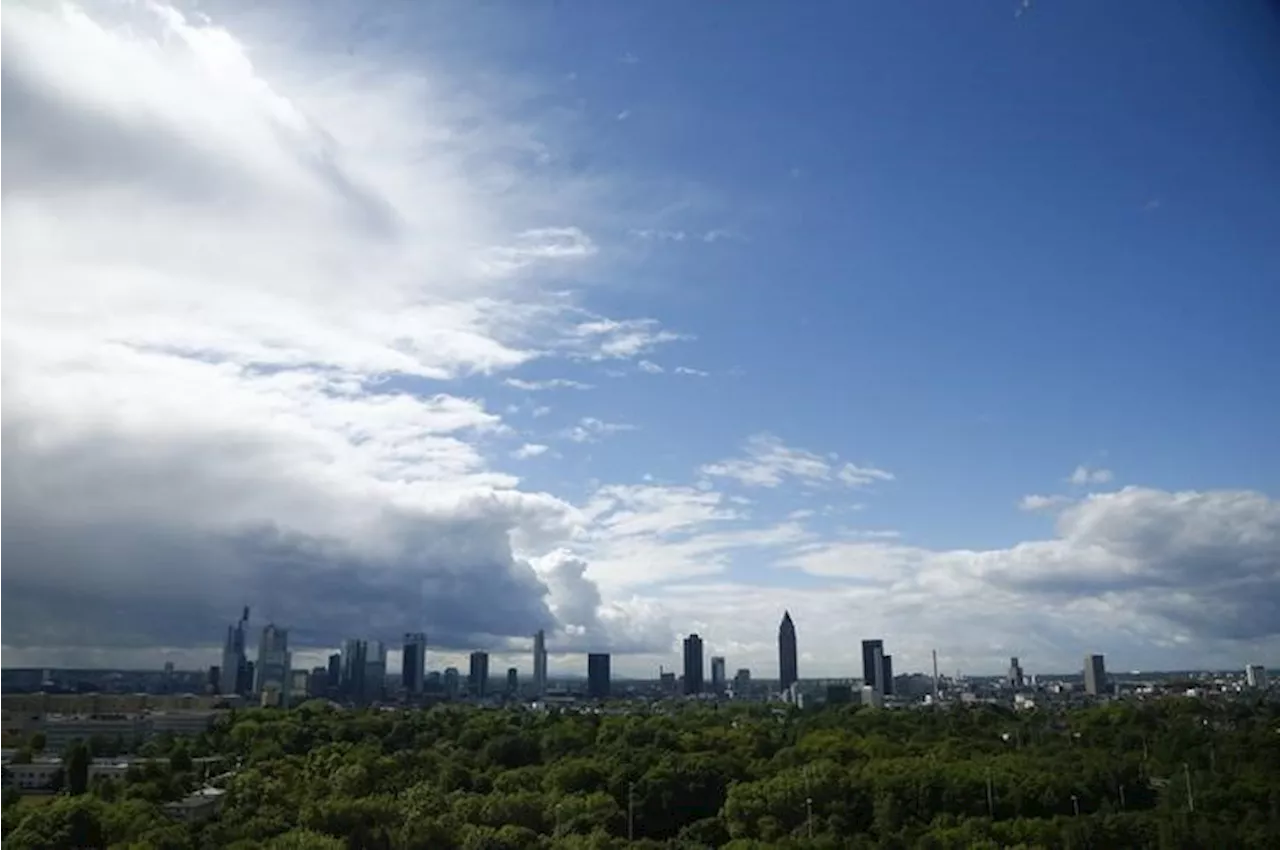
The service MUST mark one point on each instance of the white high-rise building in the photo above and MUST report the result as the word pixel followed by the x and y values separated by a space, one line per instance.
pixel 539 663
pixel 1255 676
pixel 272 670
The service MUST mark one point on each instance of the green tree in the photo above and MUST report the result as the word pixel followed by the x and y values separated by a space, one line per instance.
pixel 76 762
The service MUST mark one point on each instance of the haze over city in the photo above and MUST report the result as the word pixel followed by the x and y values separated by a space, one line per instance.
pixel 952 325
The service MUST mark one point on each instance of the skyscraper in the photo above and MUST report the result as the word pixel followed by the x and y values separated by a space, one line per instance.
pixel 413 662
pixel 886 681
pixel 478 679
pixel 1095 675
pixel 272 669
pixel 539 664
pixel 693 664
pixel 232 672
pixel 598 675
pixel 718 680
pixel 375 670
pixel 334 672
pixel 354 658
pixel 788 670
pixel 873 664
pixel 513 681
pixel 1255 676
pixel 1015 677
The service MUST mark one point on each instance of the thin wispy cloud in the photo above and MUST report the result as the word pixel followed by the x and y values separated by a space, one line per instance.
pixel 549 384
pixel 590 429
pixel 768 462
pixel 1083 475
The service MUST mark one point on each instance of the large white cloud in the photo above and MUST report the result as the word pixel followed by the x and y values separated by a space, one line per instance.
pixel 223 296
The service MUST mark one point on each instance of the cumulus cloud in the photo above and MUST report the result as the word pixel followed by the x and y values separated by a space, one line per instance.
pixel 220 286
pixel 688 370
pixel 769 462
pixel 649 367
pixel 1199 564
pixel 529 450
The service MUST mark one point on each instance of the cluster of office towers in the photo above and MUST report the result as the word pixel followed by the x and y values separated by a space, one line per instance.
pixel 877 668
pixel 359 671
pixel 270 674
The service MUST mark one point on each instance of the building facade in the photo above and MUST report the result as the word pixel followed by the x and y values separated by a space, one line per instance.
pixel 598 675
pixel 693 664
pixel 1095 675
pixel 413 663
pixel 788 667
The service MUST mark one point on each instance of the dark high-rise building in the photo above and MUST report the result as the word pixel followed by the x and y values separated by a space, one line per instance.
pixel 355 655
pixel 478 678
pixel 213 683
pixel 318 682
pixel 693 664
pixel 334 671
pixel 246 677
pixel 451 677
pixel 598 675
pixel 873 663
pixel 513 681
pixel 413 662
pixel 886 666
pixel 718 677
pixel 788 670
pixel 1095 675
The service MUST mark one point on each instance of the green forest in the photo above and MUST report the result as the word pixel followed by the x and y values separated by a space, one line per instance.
pixel 1177 773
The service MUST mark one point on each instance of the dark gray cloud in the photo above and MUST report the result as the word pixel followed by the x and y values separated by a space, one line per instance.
pixel 1207 562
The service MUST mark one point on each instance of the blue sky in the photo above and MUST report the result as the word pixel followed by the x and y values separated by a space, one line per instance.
pixel 951 324
pixel 975 248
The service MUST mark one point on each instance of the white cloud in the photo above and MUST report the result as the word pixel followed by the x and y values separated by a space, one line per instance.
pixel 611 339
pixel 219 284
pixel 1036 503
pixel 649 367
pixel 1083 475
pixel 550 384
pixel 623 115
pixel 633 535
pixel 529 450
pixel 687 370
pixel 769 462
pixel 590 429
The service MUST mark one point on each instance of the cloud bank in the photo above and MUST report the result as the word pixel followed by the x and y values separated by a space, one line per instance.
pixel 217 290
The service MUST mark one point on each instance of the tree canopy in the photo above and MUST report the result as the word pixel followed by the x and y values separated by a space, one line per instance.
pixel 1176 773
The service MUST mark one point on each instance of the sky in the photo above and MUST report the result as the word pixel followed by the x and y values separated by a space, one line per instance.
pixel 948 324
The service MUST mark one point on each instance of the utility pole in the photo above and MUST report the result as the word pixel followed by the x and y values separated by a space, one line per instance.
pixel 631 812
pixel 1075 805
pixel 1191 794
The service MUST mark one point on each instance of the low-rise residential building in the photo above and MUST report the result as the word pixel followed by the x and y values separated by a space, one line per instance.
pixel 195 807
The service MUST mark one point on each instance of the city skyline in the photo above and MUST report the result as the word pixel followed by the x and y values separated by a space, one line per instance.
pixel 483 319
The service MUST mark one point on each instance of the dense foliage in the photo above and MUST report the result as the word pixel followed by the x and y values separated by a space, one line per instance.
pixel 1175 774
